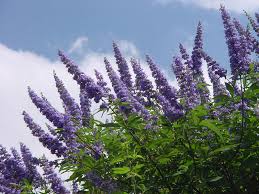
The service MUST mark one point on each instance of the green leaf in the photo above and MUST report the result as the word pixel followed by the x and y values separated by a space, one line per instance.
pixel 230 88
pixel 223 149
pixel 123 170
pixel 109 125
pixel 209 123
pixel 215 179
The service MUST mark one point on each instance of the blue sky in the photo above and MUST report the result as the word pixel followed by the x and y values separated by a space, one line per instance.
pixel 157 29
pixel 32 31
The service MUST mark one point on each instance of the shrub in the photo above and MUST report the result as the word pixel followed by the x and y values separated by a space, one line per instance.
pixel 158 139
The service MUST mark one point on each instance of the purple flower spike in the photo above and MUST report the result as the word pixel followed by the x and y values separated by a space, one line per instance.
pixel 69 102
pixel 188 90
pixel 215 73
pixel 170 112
pixel 162 84
pixel 14 170
pixel 119 88
pixel 249 43
pixel 85 82
pixel 47 109
pixel 196 53
pixel 122 66
pixel 106 185
pixel 85 104
pixel 4 189
pixel 98 150
pixel 123 93
pixel 254 25
pixel 186 57
pixel 142 83
pixel 245 46
pixel 51 130
pixel 52 178
pixel 197 64
pixel 29 163
pixel 234 45
pixel 101 82
pixel 257 17
pixel 3 154
pixel 53 144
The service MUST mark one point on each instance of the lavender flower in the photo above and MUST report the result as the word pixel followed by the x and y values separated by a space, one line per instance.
pixel 234 46
pixel 188 90
pixel 14 170
pixel 162 84
pixel 197 64
pixel 123 93
pixel 85 82
pixel 69 133
pixel 117 85
pixel 4 189
pixel 101 82
pixel 53 144
pixel 69 102
pixel 170 112
pixel 249 43
pixel 51 130
pixel 98 150
pixel 142 83
pixel 245 46
pixel 196 53
pixel 52 178
pixel 186 57
pixel 46 109
pixel 106 185
pixel 122 66
pixel 85 104
pixel 29 163
pixel 257 17
pixel 215 73
pixel 3 153
pixel 254 25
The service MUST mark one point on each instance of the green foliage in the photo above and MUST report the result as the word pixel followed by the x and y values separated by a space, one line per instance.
pixel 199 153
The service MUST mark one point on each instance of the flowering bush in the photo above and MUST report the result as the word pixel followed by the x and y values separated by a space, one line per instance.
pixel 158 139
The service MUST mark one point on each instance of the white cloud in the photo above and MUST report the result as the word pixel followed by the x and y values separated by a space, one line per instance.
pixel 78 44
pixel 233 5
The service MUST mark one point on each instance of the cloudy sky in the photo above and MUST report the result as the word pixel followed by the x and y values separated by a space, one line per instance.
pixel 32 31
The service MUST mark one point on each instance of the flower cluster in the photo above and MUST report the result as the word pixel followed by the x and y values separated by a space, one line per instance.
pixel 136 98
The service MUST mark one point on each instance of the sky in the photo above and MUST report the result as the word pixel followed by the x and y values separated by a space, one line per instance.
pixel 31 32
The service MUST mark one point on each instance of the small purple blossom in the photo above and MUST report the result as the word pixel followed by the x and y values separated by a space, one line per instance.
pixel 29 163
pixel 85 104
pixel 162 84
pixel 52 178
pixel 233 43
pixel 188 90
pixel 142 83
pixel 99 182
pixel 170 112
pixel 47 109
pixel 101 82
pixel 69 102
pixel 85 82
pixel 53 144
pixel 122 67
pixel 197 64
pixel 123 93
pixel 215 73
